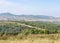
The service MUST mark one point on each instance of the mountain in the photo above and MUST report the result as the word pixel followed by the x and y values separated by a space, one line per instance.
pixel 9 16
pixel 6 14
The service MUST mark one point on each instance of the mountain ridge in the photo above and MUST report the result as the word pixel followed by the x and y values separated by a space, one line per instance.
pixel 10 16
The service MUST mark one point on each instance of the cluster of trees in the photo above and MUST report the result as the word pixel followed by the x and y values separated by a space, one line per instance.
pixel 34 31
pixel 13 28
pixel 51 27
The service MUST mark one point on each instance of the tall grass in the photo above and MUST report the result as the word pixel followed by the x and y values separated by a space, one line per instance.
pixel 32 38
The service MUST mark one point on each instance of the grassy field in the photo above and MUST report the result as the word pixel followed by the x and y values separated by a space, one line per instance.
pixel 43 38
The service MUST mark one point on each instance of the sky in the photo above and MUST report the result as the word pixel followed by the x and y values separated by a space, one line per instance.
pixel 31 7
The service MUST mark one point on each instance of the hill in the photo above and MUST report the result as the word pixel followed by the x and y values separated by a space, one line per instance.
pixel 9 16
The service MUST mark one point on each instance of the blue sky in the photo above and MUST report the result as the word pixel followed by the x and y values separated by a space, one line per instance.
pixel 35 7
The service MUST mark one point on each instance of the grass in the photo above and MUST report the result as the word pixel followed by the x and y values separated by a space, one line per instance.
pixel 42 38
pixel 30 41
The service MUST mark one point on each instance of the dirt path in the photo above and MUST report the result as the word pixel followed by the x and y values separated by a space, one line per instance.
pixel 30 26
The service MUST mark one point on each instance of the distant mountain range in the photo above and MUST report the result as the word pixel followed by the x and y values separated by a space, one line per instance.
pixel 9 16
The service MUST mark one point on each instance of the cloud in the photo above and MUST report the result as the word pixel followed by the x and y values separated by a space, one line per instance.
pixel 5 3
pixel 21 8
pixel 7 6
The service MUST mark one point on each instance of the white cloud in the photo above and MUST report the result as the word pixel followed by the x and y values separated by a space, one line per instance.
pixel 7 6
pixel 5 3
pixel 18 8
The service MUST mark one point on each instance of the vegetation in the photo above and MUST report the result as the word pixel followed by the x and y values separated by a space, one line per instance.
pixel 29 32
pixel 17 27
pixel 50 27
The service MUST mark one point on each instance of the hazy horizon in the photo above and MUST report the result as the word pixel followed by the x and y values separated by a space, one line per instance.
pixel 31 7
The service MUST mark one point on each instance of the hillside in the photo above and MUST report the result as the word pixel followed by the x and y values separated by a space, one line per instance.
pixel 29 32
pixel 17 27
pixel 9 16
